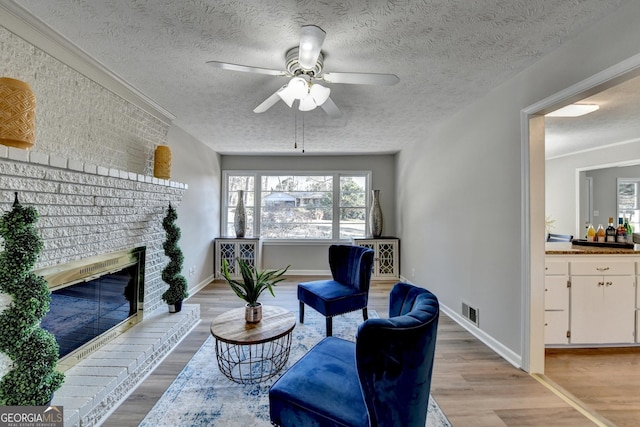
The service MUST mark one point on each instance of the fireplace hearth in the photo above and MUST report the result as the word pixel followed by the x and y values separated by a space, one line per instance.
pixel 93 300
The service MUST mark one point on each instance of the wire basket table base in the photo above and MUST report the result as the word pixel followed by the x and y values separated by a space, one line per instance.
pixel 254 363
pixel 249 353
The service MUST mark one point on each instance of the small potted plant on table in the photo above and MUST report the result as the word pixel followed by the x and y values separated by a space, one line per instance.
pixel 252 285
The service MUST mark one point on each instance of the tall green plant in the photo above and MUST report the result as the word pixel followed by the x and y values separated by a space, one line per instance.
pixel 171 274
pixel 33 351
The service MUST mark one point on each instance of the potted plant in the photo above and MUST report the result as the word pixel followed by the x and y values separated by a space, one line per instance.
pixel 171 274
pixel 252 285
pixel 30 353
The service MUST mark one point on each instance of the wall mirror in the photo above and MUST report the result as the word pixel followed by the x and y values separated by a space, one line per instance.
pixel 627 201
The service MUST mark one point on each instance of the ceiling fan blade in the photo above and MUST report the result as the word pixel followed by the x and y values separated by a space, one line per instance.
pixel 361 78
pixel 311 39
pixel 246 68
pixel 269 102
pixel 331 109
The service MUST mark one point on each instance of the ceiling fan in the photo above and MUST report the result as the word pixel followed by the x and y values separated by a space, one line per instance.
pixel 304 67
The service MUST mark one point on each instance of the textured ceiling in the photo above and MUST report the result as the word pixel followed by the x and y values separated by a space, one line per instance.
pixel 447 53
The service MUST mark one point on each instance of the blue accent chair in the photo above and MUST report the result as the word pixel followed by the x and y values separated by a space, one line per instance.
pixel 381 380
pixel 347 291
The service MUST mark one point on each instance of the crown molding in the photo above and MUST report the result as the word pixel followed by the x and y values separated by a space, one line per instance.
pixel 23 24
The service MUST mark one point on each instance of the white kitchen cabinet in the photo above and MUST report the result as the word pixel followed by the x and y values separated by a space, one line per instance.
pixel 556 326
pixel 600 302
pixel 231 249
pixel 602 309
pixel 386 263
pixel 556 302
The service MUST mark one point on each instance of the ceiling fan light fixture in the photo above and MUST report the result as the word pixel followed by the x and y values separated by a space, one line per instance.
pixel 307 103
pixel 299 87
pixel 311 39
pixel 296 89
pixel 286 95
pixel 319 93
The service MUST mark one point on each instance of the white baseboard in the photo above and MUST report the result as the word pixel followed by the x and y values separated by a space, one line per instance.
pixel 503 351
pixel 308 273
pixel 201 285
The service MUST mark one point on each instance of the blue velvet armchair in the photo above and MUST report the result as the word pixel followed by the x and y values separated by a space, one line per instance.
pixel 381 380
pixel 348 290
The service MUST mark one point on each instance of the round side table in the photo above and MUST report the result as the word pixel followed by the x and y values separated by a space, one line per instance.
pixel 249 353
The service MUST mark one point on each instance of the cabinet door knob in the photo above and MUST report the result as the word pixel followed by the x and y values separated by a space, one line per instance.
pixel 600 283
pixel 609 283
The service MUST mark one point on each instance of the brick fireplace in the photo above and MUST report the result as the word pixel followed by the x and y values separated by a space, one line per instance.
pixel 90 178
pixel 88 211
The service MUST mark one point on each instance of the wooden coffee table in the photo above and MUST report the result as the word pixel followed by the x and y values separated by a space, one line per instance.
pixel 249 353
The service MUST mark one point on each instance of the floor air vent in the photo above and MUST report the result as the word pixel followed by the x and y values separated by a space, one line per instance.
pixel 470 313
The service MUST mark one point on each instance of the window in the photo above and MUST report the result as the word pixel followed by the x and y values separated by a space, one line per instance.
pixel 299 206
pixel 628 205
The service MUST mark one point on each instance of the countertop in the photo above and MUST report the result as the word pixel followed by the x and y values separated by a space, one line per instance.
pixel 566 248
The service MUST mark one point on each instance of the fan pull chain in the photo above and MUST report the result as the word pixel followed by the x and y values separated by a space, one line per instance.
pixel 295 130
pixel 303 133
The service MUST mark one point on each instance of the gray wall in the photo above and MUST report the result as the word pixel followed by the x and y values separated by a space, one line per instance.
pixel 459 206
pixel 561 184
pixel 307 258
pixel 196 165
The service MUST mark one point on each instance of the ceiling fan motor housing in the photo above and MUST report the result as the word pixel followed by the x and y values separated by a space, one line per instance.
pixel 294 67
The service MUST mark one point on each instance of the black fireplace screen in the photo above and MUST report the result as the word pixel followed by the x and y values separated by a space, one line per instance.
pixel 81 312
pixel 98 296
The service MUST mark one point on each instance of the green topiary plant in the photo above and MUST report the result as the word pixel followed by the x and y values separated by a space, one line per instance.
pixel 177 291
pixel 34 352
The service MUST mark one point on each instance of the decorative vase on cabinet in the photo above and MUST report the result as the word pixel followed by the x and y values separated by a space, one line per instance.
pixel 375 215
pixel 240 217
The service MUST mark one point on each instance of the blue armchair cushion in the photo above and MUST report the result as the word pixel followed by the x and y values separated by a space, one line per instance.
pixel 331 298
pixel 301 399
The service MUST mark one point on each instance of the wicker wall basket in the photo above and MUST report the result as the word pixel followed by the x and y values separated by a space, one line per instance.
pixel 162 162
pixel 17 114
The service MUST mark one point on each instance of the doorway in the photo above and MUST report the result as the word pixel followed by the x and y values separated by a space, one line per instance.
pixel 534 176
pixel 533 124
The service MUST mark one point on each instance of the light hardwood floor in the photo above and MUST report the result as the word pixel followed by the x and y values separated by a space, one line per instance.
pixel 473 386
pixel 604 379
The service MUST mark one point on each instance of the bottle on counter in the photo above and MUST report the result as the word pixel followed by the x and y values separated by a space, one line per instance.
pixel 600 234
pixel 591 233
pixel 610 232
pixel 629 229
pixel 621 232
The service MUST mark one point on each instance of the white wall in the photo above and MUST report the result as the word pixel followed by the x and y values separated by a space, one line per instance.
pixel 459 190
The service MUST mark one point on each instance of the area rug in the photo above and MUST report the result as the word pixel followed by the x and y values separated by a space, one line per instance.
pixel 201 396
